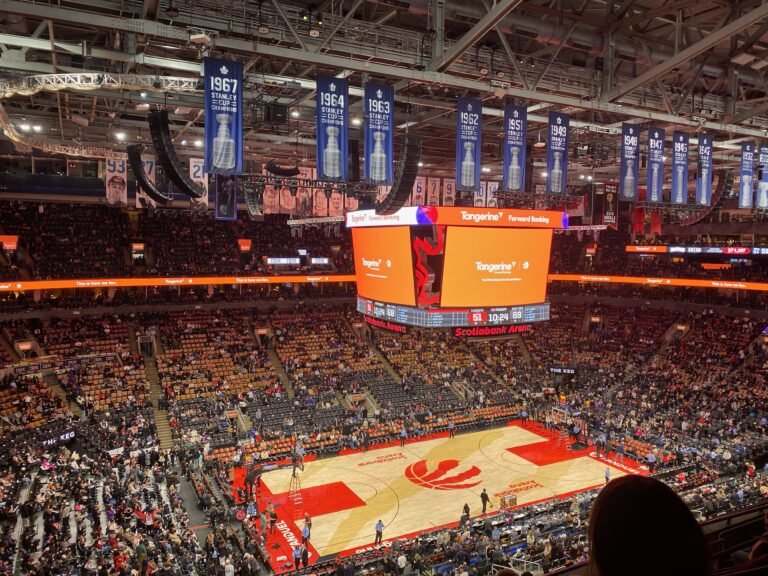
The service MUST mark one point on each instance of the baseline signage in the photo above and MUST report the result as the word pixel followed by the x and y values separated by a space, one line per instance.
pixel 62 438
pixel 460 216
pixel 485 331
pixel 468 143
pixel 655 182
pixel 379 146
pixel 704 171
pixel 630 146
pixel 679 167
pixel 386 325
pixel 332 131
pixel 746 185
pixel 9 242
pixel 562 370
pixel 687 282
pixel 557 153
pixel 223 116
pixel 515 121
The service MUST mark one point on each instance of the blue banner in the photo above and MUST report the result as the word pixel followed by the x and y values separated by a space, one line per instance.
pixel 469 125
pixel 557 153
pixel 225 202
pixel 223 116
pixel 762 178
pixel 630 149
pixel 332 112
pixel 655 165
pixel 704 171
pixel 515 121
pixel 679 167
pixel 379 146
pixel 746 185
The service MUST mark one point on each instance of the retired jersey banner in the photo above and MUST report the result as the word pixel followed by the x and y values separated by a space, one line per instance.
pixel 332 111
pixel 679 167
pixel 418 192
pixel 223 116
pixel 655 165
pixel 630 149
pixel 746 186
pixel 490 199
pixel 116 181
pixel 762 178
pixel 149 163
pixel 449 192
pixel 478 199
pixel 557 152
pixel 198 176
pixel 225 204
pixel 469 127
pixel 704 171
pixel 379 146
pixel 433 191
pixel 513 171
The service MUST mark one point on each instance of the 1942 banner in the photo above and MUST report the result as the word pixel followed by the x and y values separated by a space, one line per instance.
pixel 223 116
pixel 762 178
pixel 513 171
pixel 225 202
pixel 704 171
pixel 746 186
pixel 469 127
pixel 655 165
pixel 332 112
pixel 679 167
pixel 630 146
pixel 116 181
pixel 557 153
pixel 378 109
pixel 198 176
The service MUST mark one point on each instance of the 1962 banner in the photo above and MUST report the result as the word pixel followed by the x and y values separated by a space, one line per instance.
pixel 469 127
pixel 655 165
pixel 332 112
pixel 679 168
pixel 515 120
pixel 378 109
pixel 746 186
pixel 223 116
pixel 762 181
pixel 630 146
pixel 557 153
pixel 704 171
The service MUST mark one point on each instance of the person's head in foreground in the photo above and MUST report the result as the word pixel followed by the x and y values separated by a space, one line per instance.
pixel 639 527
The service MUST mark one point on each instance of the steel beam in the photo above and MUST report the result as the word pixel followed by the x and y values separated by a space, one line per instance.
pixel 689 53
pixel 746 114
pixel 497 12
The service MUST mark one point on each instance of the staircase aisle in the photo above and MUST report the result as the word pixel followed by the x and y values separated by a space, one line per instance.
pixel 524 352
pixel 277 364
pixel 155 393
pixel 53 383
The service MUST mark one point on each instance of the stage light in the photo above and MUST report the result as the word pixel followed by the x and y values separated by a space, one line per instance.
pixel 319 19
pixel 278 184
pixel 120 136
pixel 543 174
pixel 199 143
pixel 143 94
pixel 589 178
pixel 485 170
pixel 581 176
pixel 295 113
pixel 172 12
pixel 37 128
pixel 183 142
pixel 356 122
pixel 328 189
pixel 420 164
pixel 261 185
pixel 293 187
pixel 304 15
pixel 25 127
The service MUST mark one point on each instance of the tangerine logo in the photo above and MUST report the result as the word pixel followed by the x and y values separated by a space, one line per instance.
pixel 437 480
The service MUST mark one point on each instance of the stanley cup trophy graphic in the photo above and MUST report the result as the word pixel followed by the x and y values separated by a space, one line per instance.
pixel 556 178
pixel 704 185
pixel 513 182
pixel 223 157
pixel 332 154
pixel 680 183
pixel 629 180
pixel 746 189
pixel 654 191
pixel 468 166
pixel 378 171
pixel 762 194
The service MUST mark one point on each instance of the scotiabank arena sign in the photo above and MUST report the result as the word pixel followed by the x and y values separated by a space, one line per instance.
pixel 386 325
pixel 486 331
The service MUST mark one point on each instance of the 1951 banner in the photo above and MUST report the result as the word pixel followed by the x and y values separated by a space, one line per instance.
pixel 515 121
pixel 746 186
pixel 630 146
pixel 679 168
pixel 379 112
pixel 557 153
pixel 469 125
pixel 223 116
pixel 332 112
pixel 704 171
pixel 655 165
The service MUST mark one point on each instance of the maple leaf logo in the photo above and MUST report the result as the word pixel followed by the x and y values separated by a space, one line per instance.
pixel 332 87
pixel 379 93
pixel 224 70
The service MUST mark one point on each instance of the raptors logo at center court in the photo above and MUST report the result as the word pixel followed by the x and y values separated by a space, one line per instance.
pixel 440 479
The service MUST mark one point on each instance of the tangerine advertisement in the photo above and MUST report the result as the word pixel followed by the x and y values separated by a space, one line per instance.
pixel 495 266
pixel 383 264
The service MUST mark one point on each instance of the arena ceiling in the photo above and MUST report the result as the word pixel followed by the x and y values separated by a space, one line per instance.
pixel 697 65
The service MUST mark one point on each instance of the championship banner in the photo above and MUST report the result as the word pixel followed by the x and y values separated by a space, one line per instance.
pixel 679 167
pixel 704 171
pixel 478 198
pixel 332 100
pixel 433 191
pixel 449 192
pixel 747 174
pixel 762 178
pixel 490 199
pixel 149 164
pixel 379 128
pixel 655 165
pixel 606 206
pixel 198 176
pixel 557 153
pixel 630 146
pixel 116 181
pixel 223 116
pixel 468 144
pixel 513 172
pixel 419 191
pixel 225 204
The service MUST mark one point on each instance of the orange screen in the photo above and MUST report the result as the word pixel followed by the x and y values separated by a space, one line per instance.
pixel 495 266
pixel 383 264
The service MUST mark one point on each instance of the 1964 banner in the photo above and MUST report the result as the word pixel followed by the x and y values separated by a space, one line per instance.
pixel 630 145
pixel 762 181
pixel 679 168
pixel 746 186
pixel 378 109
pixel 332 112
pixel 557 153
pixel 515 120
pixel 468 143
pixel 704 171
pixel 223 116
pixel 655 165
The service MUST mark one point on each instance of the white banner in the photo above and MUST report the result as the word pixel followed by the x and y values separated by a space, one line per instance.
pixel 142 200
pixel 116 181
pixel 198 176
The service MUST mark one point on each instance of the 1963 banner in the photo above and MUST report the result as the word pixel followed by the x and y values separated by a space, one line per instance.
pixel 704 171
pixel 630 146
pixel 762 182
pixel 223 116
pixel 469 127
pixel 557 153
pixel 332 112
pixel 655 165
pixel 378 109
pixel 515 120
pixel 746 186
pixel 679 167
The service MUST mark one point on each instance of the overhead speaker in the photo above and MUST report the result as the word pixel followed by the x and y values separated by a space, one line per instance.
pixel 166 155
pixel 405 176
pixel 252 200
pixel 143 182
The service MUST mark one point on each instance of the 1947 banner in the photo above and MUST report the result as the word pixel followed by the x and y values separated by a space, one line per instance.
pixel 630 145
pixel 332 112
pixel 746 186
pixel 468 144
pixel 704 171
pixel 223 116
pixel 515 120
pixel 655 165
pixel 679 168
pixel 557 153
pixel 378 109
